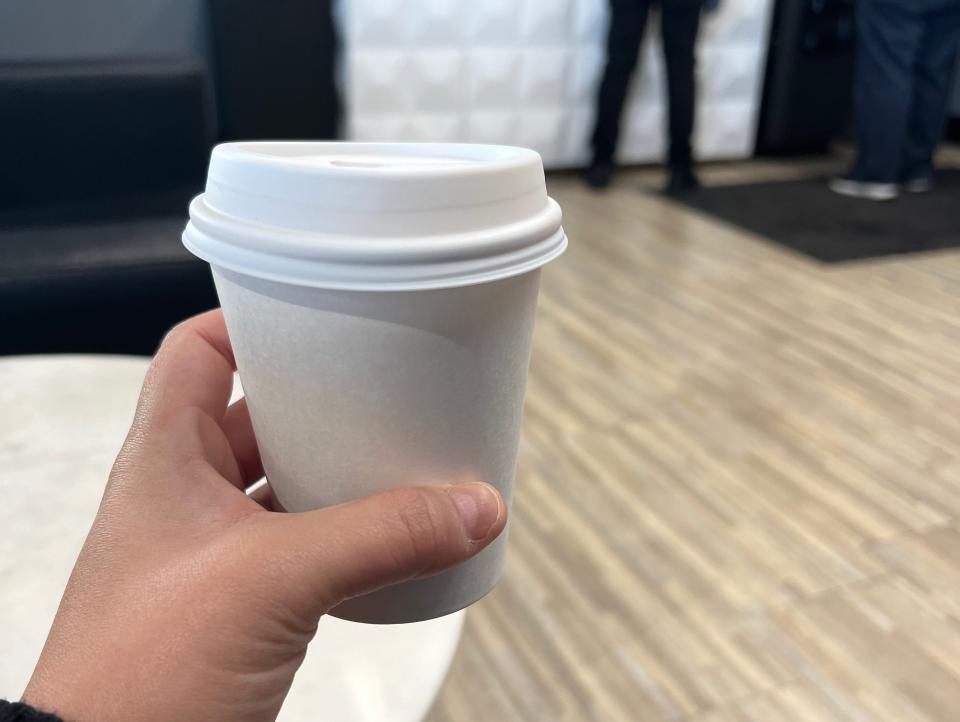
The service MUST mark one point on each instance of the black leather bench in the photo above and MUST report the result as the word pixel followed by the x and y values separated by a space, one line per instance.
pixel 97 164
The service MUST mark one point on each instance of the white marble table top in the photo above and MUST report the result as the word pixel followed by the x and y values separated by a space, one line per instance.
pixel 62 419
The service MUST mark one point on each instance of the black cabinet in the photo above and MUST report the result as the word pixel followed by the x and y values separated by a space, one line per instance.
pixel 808 82
pixel 275 68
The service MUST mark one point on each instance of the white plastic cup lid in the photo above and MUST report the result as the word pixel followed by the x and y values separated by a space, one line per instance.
pixel 375 216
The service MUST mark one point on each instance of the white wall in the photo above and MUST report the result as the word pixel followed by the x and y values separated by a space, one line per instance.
pixel 525 72
pixel 69 29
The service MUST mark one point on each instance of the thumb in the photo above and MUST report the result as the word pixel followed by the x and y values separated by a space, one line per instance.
pixel 351 549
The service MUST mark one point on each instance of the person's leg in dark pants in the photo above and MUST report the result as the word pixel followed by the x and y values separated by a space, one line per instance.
pixel 680 20
pixel 888 43
pixel 627 20
pixel 931 89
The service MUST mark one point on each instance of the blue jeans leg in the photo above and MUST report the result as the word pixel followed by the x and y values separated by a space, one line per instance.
pixel 931 90
pixel 890 33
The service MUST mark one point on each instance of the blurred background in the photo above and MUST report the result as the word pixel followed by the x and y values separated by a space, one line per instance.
pixel 739 480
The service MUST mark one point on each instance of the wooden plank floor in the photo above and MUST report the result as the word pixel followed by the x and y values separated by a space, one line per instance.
pixel 739 485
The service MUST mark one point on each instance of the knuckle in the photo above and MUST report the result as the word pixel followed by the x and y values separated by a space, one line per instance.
pixel 175 333
pixel 187 420
pixel 425 526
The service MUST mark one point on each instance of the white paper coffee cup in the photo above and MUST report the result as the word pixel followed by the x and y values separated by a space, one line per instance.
pixel 380 301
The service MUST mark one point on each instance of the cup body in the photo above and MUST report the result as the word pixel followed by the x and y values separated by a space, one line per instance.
pixel 352 393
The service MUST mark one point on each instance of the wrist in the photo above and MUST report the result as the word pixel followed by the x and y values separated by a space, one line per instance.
pixel 50 704
pixel 24 712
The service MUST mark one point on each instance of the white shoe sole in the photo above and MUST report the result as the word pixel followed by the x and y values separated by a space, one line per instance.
pixel 863 190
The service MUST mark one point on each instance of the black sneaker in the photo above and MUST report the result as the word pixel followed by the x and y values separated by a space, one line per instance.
pixel 598 175
pixel 682 180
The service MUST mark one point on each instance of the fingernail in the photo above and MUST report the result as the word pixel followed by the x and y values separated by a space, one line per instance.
pixel 479 508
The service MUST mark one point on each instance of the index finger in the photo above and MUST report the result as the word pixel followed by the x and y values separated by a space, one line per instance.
pixel 192 368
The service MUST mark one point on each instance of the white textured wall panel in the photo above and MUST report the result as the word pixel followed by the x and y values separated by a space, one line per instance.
pixel 525 72
pixel 436 22
pixel 491 80
pixel 491 23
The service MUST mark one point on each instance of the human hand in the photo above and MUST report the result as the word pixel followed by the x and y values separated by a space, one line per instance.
pixel 192 601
